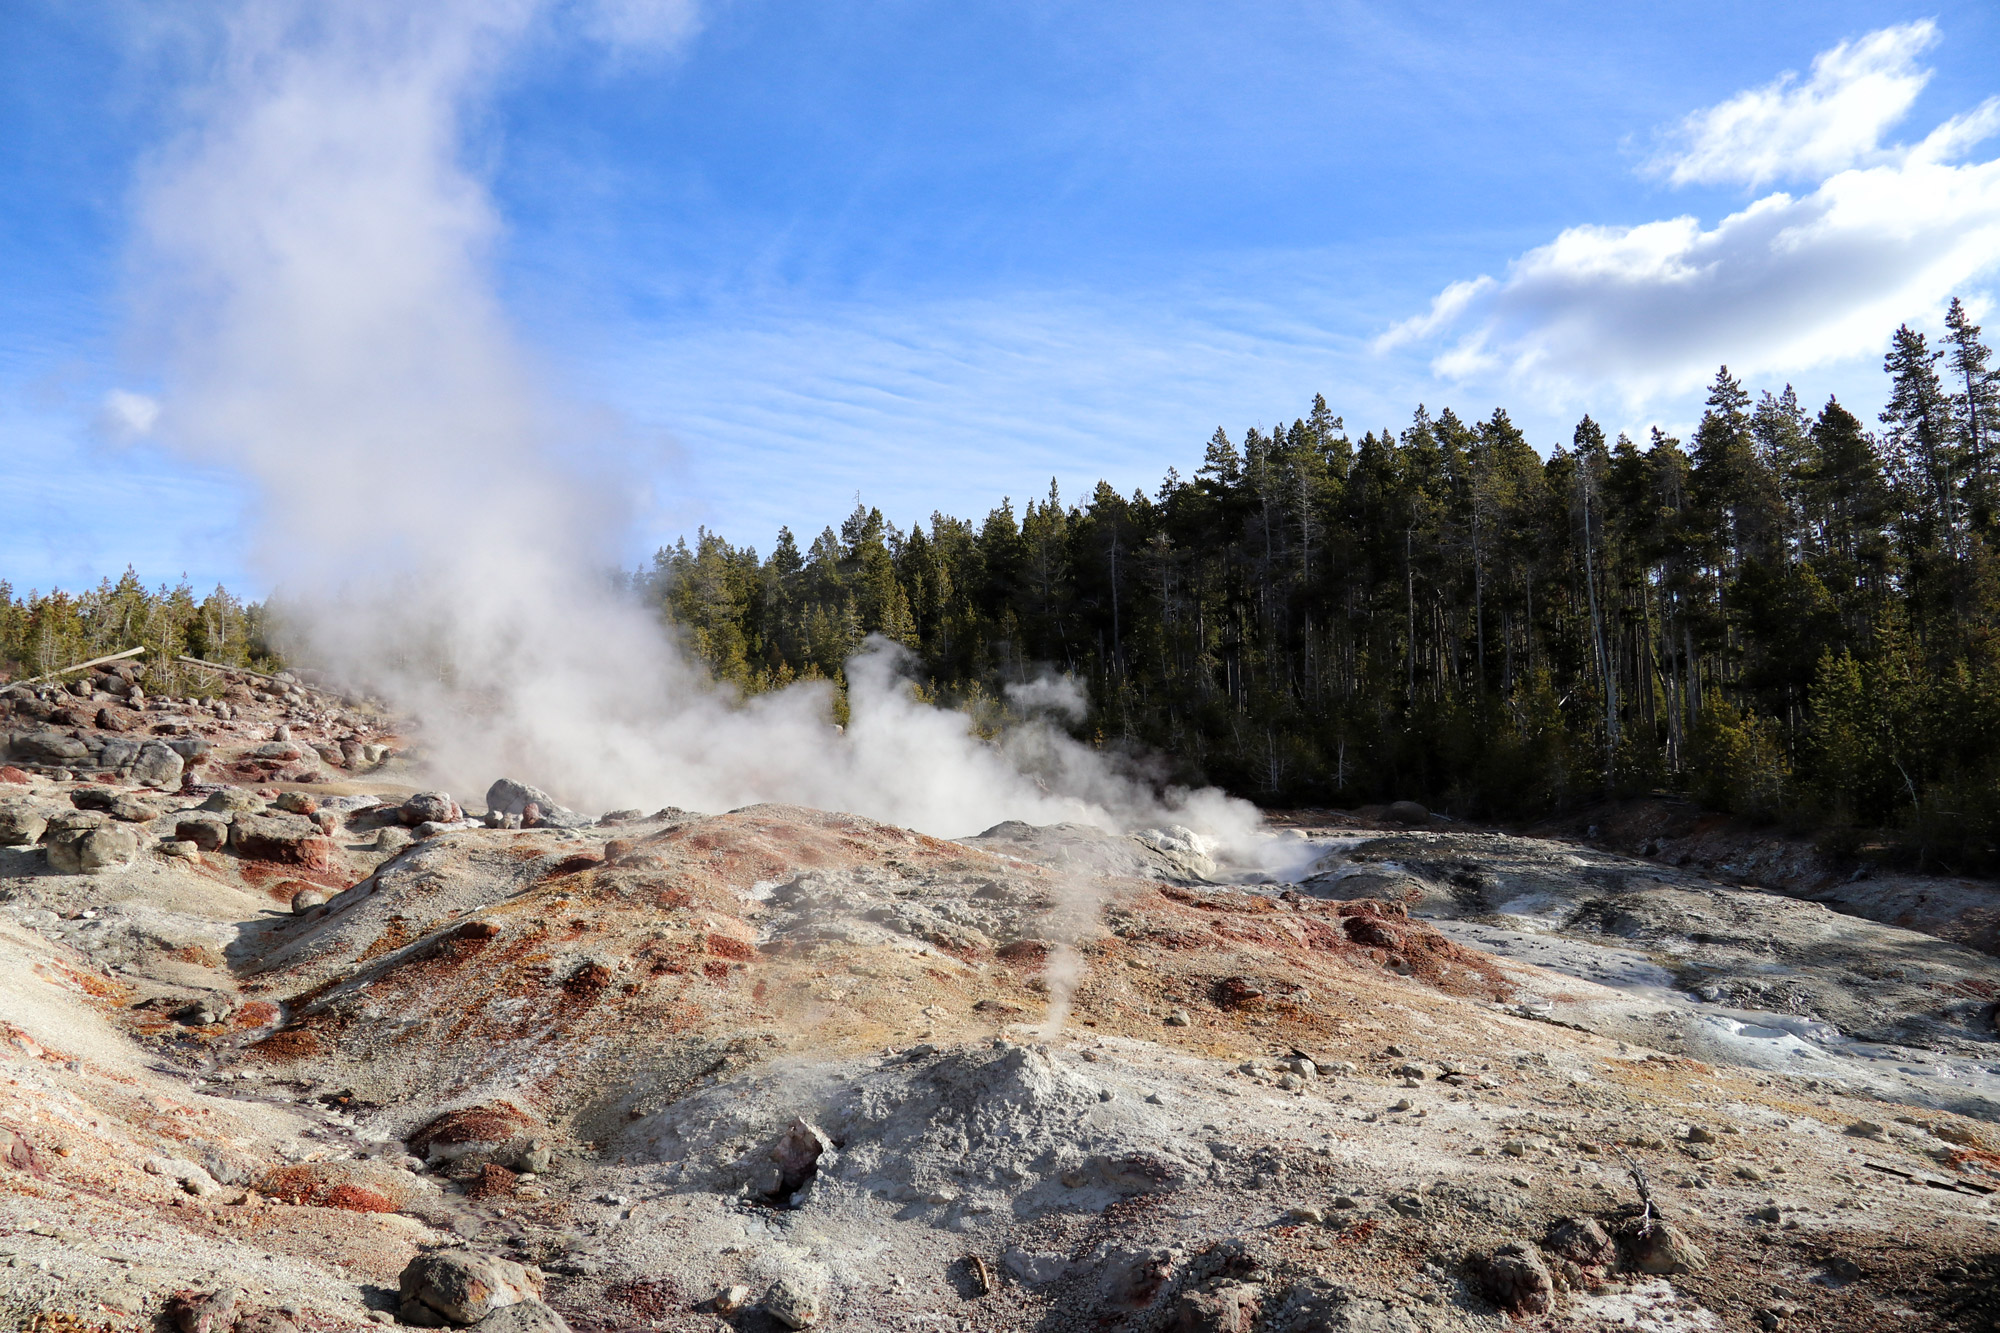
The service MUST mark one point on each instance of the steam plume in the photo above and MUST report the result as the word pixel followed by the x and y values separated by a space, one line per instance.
pixel 320 258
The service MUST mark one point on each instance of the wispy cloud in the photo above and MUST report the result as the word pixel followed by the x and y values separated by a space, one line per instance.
pixel 951 404
pixel 1784 283
pixel 125 415
pixel 1788 130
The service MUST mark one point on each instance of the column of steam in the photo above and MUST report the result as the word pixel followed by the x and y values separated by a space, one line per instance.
pixel 1079 906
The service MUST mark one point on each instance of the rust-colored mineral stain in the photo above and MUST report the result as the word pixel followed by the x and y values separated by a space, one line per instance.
pixel 292 1043
pixel 493 1180
pixel 724 946
pixel 257 1014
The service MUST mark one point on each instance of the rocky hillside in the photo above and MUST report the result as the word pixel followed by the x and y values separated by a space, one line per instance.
pixel 290 1046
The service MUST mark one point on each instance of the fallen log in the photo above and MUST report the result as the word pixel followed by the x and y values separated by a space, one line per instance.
pixel 81 666
pixel 228 670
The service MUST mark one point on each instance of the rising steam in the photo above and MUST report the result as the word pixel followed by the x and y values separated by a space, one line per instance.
pixel 320 273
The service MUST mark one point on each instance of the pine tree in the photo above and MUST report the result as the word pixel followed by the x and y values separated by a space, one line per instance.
pixel 1975 410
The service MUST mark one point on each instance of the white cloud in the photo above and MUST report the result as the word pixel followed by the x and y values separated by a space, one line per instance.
pixel 1786 283
pixel 657 25
pixel 1791 131
pixel 125 415
pixel 1446 307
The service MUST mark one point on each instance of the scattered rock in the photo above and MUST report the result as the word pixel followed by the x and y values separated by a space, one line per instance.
pixel 308 898
pixel 21 823
pixel 461 1287
pixel 430 807
pixel 1946 1130
pixel 1230 1308
pixel 798 1299
pixel 232 801
pixel 265 1321
pixel 283 839
pixel 1034 1269
pixel 1514 1278
pixel 536 807
pixel 795 1161
pixel 1132 1278
pixel 1407 812
pixel 1661 1248
pixel 203 1312
pixel 89 848
pixel 529 1316
pixel 206 1012
pixel 50 747
pixel 393 840
pixel 207 832
pixel 1582 1241
pixel 1866 1129
pixel 1178 1018
pixel 158 766
pixel 20 1154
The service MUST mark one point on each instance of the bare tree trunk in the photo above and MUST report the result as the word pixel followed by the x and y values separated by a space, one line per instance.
pixel 1604 663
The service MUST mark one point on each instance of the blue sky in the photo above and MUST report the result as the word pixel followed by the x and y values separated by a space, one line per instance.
pixel 936 253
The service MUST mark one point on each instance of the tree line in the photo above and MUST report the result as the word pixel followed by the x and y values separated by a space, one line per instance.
pixel 1791 615
pixel 43 632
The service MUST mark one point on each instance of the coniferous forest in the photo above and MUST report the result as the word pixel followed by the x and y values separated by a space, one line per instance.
pixel 1791 615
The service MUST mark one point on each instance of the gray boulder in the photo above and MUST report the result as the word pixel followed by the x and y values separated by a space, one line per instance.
pixel 206 831
pixel 461 1287
pixel 1515 1278
pixel 508 797
pixel 798 1299
pixel 84 849
pixel 21 823
pixel 189 748
pixel 430 807
pixel 1660 1247
pixel 233 801
pixel 119 753
pixel 523 1317
pixel 157 766
pixel 133 810
pixel 50 747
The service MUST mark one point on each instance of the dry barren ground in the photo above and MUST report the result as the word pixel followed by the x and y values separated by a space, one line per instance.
pixel 780 1067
